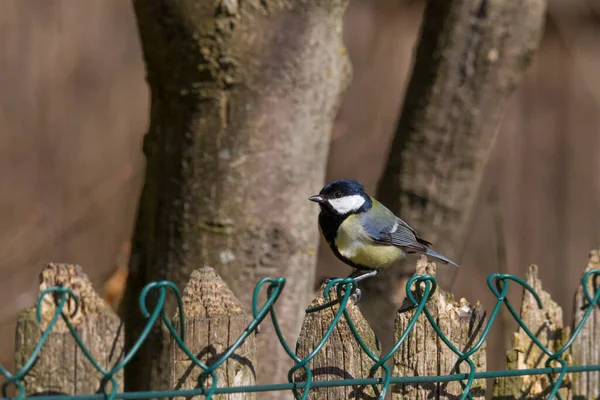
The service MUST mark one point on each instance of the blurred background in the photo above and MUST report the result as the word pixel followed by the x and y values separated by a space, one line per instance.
pixel 74 107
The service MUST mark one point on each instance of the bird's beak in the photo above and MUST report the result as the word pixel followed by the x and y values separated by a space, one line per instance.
pixel 317 198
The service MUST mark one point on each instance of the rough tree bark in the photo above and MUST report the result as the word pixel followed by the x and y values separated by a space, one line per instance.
pixel 243 98
pixel 470 57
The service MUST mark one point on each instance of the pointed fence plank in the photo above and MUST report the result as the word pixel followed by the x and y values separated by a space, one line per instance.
pixel 62 366
pixel 342 356
pixel 214 319
pixel 586 348
pixel 425 354
pixel 547 326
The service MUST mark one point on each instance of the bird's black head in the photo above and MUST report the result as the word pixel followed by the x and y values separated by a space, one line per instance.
pixel 343 197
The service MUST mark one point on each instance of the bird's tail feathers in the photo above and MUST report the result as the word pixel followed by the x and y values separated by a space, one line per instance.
pixel 440 257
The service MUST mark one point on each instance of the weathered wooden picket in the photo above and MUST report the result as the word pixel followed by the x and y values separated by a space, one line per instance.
pixel 439 352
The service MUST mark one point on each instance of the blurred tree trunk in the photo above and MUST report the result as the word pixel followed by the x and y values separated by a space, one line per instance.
pixel 243 99
pixel 470 57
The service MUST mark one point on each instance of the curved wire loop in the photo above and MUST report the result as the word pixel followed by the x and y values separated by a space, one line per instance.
pixel 424 288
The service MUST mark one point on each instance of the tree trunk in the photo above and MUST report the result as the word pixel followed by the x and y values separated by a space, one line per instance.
pixel 470 57
pixel 243 98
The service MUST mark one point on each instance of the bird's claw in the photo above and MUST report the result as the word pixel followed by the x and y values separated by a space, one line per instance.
pixel 356 295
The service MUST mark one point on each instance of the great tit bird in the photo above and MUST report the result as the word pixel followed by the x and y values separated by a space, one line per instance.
pixel 363 233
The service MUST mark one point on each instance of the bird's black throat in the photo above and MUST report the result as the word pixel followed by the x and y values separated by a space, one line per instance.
pixel 330 222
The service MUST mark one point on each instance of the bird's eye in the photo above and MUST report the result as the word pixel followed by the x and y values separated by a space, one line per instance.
pixel 338 195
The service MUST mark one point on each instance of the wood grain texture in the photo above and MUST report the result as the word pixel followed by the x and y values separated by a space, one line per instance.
pixel 546 324
pixel 342 356
pixel 214 319
pixel 425 354
pixel 586 348
pixel 61 366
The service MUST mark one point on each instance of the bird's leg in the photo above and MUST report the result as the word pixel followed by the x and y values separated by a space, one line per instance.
pixel 369 274
pixel 356 295
pixel 356 275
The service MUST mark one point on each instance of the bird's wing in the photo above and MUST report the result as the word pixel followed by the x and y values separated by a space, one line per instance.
pixel 401 232
pixel 402 235
pixel 385 228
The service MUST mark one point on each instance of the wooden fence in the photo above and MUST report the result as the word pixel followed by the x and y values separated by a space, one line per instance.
pixel 215 319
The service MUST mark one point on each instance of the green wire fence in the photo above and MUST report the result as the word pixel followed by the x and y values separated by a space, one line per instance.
pixel 423 287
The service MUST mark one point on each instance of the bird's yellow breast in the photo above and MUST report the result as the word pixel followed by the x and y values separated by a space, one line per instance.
pixel 355 244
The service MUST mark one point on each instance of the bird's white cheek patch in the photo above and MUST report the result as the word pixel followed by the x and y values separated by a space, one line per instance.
pixel 347 204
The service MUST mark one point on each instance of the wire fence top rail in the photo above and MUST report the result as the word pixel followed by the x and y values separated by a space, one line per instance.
pixel 419 289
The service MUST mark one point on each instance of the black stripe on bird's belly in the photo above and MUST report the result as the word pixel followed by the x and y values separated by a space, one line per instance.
pixel 330 223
